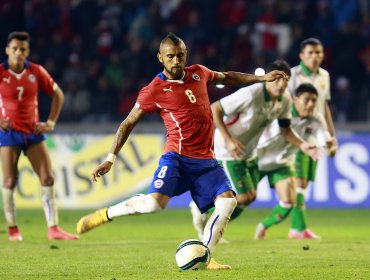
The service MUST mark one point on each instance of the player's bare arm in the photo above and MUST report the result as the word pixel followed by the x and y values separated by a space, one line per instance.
pixel 294 139
pixel 235 147
pixel 330 125
pixel 56 107
pixel 123 132
pixel 243 79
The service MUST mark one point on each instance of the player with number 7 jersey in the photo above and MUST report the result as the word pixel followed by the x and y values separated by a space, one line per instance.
pixel 21 130
pixel 19 94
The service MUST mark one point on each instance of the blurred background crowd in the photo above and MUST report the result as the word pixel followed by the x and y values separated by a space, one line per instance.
pixel 101 52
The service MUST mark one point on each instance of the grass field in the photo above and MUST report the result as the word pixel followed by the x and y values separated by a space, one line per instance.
pixel 143 247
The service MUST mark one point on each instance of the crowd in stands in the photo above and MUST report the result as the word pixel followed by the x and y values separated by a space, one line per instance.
pixel 101 52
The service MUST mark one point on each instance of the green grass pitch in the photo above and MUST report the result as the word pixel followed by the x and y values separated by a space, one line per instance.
pixel 143 247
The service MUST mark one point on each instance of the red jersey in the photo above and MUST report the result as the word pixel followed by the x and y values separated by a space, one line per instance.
pixel 185 109
pixel 19 94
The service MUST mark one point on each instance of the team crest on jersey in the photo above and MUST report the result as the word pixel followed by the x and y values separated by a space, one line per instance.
pixel 158 183
pixel 196 77
pixel 32 78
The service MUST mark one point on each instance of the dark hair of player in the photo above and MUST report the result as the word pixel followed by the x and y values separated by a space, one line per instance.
pixel 310 41
pixel 19 35
pixel 173 38
pixel 281 65
pixel 305 87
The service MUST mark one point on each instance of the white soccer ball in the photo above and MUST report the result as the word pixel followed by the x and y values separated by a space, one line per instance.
pixel 192 254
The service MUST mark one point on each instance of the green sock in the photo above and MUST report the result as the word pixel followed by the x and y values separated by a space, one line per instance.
pixel 299 219
pixel 278 214
pixel 237 211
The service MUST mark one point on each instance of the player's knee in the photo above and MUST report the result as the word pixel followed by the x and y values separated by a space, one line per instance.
pixel 225 205
pixel 246 198
pixel 151 205
pixel 47 180
pixel 10 182
pixel 286 203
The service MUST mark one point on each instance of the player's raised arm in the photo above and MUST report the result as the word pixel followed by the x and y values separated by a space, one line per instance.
pixel 243 79
pixel 123 132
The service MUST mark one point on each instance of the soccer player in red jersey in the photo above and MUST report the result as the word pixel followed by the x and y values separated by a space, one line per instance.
pixel 21 130
pixel 179 94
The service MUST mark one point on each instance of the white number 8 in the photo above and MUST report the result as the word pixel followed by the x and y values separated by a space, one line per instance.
pixel 162 172
pixel 191 96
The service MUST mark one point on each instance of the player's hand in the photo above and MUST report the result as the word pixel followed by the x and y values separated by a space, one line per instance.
pixel 274 75
pixel 311 150
pixel 5 125
pixel 101 170
pixel 331 146
pixel 236 149
pixel 41 127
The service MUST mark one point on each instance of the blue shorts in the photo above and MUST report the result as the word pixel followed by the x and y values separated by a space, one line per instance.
pixel 19 139
pixel 204 178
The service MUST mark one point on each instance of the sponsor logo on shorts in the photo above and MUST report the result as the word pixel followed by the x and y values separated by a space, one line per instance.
pixel 158 183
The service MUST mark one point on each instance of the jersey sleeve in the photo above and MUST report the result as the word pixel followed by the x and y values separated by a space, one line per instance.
pixel 46 82
pixel 236 102
pixel 145 100
pixel 209 74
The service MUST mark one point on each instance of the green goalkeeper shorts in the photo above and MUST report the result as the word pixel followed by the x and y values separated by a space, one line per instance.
pixel 305 167
pixel 244 175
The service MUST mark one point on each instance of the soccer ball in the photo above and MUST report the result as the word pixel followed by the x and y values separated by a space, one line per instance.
pixel 192 254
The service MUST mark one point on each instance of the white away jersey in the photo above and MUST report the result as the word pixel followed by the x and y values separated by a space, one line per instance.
pixel 321 81
pixel 247 112
pixel 274 151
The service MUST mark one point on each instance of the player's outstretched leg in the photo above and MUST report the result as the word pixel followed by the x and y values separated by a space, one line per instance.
pixel 138 204
pixel 92 220
pixel 215 226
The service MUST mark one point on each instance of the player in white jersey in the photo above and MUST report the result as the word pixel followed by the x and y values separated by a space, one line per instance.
pixel 240 119
pixel 309 71
pixel 276 156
